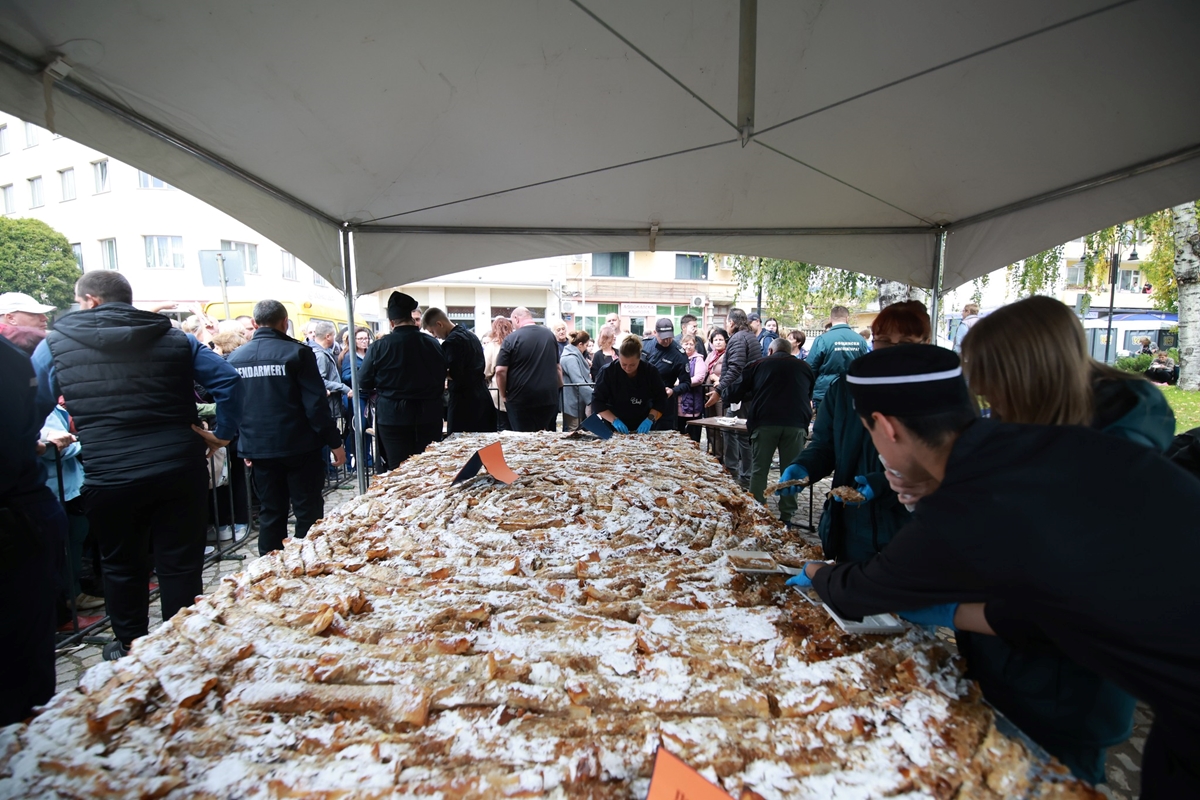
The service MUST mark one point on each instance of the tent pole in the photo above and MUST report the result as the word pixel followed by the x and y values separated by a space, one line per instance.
pixel 935 285
pixel 360 451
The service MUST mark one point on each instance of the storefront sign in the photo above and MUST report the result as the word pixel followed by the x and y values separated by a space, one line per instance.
pixel 638 309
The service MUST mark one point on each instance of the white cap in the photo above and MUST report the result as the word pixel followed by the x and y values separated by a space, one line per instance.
pixel 16 301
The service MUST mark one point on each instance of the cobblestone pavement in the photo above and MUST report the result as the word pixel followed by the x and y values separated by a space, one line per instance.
pixel 1123 765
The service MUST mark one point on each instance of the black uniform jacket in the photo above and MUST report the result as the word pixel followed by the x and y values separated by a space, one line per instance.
pixel 671 363
pixel 470 406
pixel 1026 520
pixel 408 370
pixel 780 390
pixel 285 410
pixel 629 398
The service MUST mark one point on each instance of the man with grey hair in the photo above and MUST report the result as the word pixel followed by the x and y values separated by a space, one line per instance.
pixel 529 375
pixel 286 426
pixel 323 334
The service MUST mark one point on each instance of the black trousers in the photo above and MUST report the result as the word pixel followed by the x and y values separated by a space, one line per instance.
pixel 1171 759
pixel 32 539
pixel 531 418
pixel 167 513
pixel 470 412
pixel 295 480
pixel 401 441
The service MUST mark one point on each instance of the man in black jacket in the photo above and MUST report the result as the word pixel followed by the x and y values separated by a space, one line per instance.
pixel 408 370
pixel 668 358
pixel 741 349
pixel 285 425
pixel 128 378
pixel 778 394
pixel 529 375
pixel 1022 539
pixel 471 409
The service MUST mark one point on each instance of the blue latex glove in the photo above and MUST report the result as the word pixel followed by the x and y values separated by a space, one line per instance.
pixel 620 427
pixel 646 425
pixel 794 472
pixel 864 488
pixel 802 580
pixel 942 615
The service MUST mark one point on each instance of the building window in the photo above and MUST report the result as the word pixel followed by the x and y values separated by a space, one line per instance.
pixel 3 140
pixel 249 254
pixel 1129 280
pixel 289 265
pixel 66 177
pixel 77 250
pixel 108 253
pixel 100 171
pixel 462 315
pixel 318 279
pixel 538 312
pixel 1077 274
pixel 148 181
pixel 593 324
pixel 690 268
pixel 31 134
pixel 612 265
pixel 35 192
pixel 10 204
pixel 164 252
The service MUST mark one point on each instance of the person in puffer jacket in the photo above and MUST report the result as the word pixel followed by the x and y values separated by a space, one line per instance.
pixel 740 350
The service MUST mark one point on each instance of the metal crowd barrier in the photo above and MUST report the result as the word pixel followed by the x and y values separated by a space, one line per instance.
pixel 82 631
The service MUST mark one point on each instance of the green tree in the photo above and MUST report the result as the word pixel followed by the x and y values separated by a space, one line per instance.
pixel 37 260
pixel 792 289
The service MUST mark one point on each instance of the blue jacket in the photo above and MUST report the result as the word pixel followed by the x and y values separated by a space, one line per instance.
pixel 72 467
pixel 831 355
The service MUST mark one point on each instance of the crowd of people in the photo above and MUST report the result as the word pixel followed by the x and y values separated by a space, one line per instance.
pixel 1001 528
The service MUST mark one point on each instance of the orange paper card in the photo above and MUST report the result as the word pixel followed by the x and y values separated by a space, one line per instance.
pixel 493 459
pixel 675 780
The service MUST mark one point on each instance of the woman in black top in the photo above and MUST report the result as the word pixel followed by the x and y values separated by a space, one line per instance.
pixel 604 354
pixel 630 395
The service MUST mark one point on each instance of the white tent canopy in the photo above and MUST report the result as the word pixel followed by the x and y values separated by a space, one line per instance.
pixel 462 133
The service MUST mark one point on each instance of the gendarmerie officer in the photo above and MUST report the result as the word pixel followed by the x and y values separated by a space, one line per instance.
pixel 408 370
pixel 285 425
pixel 671 363
pixel 470 409
pixel 629 395
pixel 1022 539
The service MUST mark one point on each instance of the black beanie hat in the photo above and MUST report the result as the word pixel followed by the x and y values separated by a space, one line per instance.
pixel 400 306
pixel 910 380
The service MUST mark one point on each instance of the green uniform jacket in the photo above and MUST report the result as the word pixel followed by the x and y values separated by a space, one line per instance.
pixel 840 445
pixel 831 355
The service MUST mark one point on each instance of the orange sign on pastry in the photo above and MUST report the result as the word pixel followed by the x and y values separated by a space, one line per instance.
pixel 491 457
pixel 673 779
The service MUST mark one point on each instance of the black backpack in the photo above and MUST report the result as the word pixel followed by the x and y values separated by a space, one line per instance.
pixel 1185 451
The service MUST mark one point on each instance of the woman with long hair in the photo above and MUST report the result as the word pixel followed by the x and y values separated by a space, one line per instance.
pixel 501 328
pixel 605 354
pixel 1029 363
pixel 577 393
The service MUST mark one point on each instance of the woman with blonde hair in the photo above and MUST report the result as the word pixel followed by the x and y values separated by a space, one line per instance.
pixel 1029 363
pixel 605 354
pixel 501 327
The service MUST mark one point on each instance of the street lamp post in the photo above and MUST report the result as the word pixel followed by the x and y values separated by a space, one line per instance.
pixel 1113 274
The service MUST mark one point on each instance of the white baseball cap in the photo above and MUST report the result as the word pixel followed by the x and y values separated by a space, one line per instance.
pixel 16 301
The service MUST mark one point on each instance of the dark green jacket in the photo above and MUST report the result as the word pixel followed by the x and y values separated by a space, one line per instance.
pixel 841 446
pixel 831 355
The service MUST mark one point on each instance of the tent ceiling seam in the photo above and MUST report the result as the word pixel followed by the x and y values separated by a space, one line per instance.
pixel 32 67
pixel 641 233
pixel 549 181
pixel 843 183
pixel 950 63
pixel 1160 162
pixel 652 62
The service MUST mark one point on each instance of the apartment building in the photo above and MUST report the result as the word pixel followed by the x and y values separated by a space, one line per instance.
pixel 118 217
